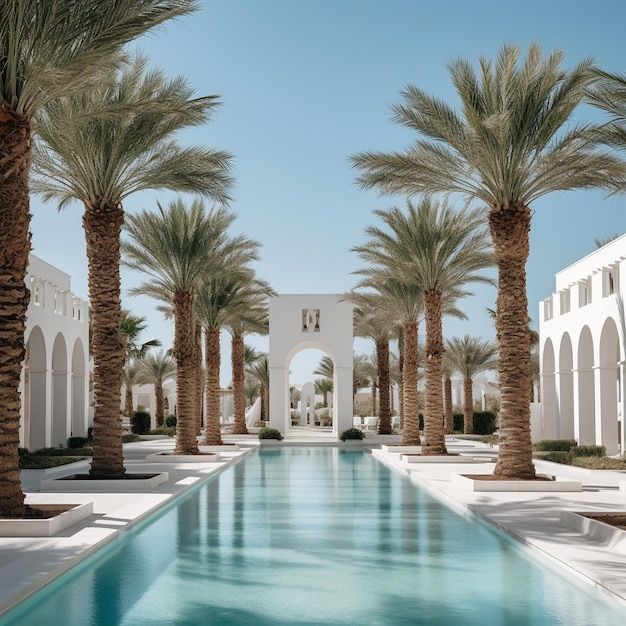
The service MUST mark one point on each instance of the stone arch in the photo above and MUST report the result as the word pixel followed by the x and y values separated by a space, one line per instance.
pixel 35 391
pixel 565 389
pixel 78 391
pixel 59 391
pixel 320 321
pixel 585 411
pixel 608 386
pixel 548 393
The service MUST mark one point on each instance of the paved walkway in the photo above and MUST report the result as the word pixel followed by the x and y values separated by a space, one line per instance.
pixel 27 564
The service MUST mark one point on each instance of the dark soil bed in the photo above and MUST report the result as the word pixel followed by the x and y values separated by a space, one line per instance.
pixel 124 477
pixel 539 477
pixel 44 511
pixel 612 519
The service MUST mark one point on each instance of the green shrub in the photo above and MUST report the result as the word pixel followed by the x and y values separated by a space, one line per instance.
pixel 170 421
pixel 170 432
pixel 554 445
pixel 599 463
pixel 484 423
pixel 588 451
pixel 270 433
pixel 140 423
pixel 352 433
pixel 130 438
pixel 77 442
pixel 559 456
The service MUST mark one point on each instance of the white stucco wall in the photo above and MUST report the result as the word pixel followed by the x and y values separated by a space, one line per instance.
pixel 582 350
pixel 288 336
pixel 55 378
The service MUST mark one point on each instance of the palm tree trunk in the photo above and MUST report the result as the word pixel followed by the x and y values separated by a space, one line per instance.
pixel 239 396
pixel 384 415
pixel 212 430
pixel 128 401
pixel 265 404
pixel 411 430
pixel 15 158
pixel 198 377
pixel 510 229
pixel 103 225
pixel 159 402
pixel 374 396
pixel 468 406
pixel 186 388
pixel 401 377
pixel 434 438
pixel 447 392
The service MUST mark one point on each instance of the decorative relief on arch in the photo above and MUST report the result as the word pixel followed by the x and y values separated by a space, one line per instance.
pixel 310 320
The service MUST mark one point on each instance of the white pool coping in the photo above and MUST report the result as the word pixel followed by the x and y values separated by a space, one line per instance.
pixel 534 518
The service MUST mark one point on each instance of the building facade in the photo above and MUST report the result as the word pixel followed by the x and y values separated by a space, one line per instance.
pixel 55 376
pixel 582 350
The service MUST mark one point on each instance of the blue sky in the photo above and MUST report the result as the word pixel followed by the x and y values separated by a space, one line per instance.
pixel 304 84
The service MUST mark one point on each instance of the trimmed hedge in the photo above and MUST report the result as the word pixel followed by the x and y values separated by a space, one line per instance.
pixel 554 445
pixel 352 433
pixel 270 433
pixel 484 422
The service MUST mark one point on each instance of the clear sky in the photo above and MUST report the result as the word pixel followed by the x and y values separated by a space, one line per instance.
pixel 304 84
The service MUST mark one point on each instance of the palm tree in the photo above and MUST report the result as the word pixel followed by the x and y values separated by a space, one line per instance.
pixel 323 386
pixel 175 247
pixel 512 142
pixel 405 302
pixel 470 356
pixel 130 378
pixel 360 375
pixel 48 49
pixel 259 370
pixel 101 159
pixel 254 319
pixel 372 320
pixel 440 249
pixel 156 369
pixel 131 327
pixel 219 295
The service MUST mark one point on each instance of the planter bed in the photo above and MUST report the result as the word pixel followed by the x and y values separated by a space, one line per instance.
pixel 485 483
pixel 47 527
pixel 84 482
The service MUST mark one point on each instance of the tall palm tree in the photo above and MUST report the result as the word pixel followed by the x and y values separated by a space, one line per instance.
pixel 219 295
pixel 48 49
pixel 372 320
pixel 100 159
pixel 470 356
pixel 440 249
pixel 174 247
pixel 323 386
pixel 360 373
pixel 254 319
pixel 404 301
pixel 512 142
pixel 156 368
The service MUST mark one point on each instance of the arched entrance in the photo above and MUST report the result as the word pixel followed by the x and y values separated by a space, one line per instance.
pixel 320 321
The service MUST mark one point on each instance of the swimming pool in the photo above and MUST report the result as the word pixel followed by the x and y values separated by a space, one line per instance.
pixel 314 536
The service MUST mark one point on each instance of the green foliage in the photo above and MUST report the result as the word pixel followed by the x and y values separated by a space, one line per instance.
pixel 270 433
pixel 130 438
pixel 598 451
pixel 554 445
pixel 599 463
pixel 352 433
pixel 559 456
pixel 170 432
pixel 484 422
pixel 77 442
pixel 140 423
pixel 362 407
pixel 33 461
pixel 170 421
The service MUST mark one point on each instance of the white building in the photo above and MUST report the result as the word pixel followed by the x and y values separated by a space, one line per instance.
pixel 582 351
pixel 55 377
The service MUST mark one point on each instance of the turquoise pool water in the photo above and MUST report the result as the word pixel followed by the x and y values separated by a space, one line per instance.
pixel 314 536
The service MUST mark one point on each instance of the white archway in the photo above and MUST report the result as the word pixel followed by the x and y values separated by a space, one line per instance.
pixel 320 321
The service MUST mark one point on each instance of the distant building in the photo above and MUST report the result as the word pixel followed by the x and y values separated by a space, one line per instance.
pixel 55 377
pixel 582 351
